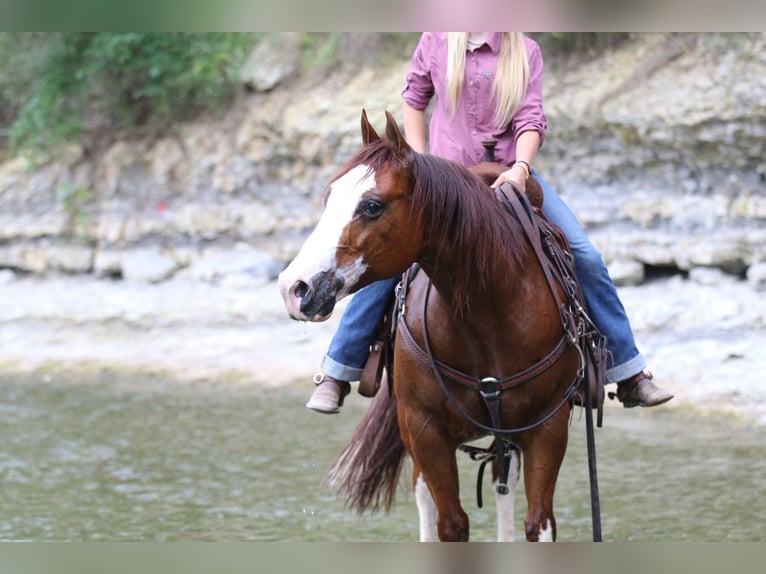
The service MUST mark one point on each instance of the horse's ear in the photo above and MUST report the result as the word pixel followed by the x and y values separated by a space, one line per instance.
pixel 369 134
pixel 395 139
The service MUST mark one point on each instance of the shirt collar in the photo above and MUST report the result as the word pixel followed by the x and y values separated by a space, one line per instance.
pixel 493 41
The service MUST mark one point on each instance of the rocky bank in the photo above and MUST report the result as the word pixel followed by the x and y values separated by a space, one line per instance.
pixel 161 254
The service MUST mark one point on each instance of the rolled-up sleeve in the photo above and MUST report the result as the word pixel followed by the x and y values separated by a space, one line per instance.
pixel 419 88
pixel 530 115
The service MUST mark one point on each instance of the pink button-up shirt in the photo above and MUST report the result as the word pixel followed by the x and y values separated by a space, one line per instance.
pixel 459 137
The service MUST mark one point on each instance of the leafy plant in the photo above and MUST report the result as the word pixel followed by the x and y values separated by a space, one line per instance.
pixel 117 82
pixel 75 200
pixel 320 49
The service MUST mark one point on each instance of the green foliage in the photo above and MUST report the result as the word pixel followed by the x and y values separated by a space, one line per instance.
pixel 76 202
pixel 320 49
pixel 117 82
pixel 21 57
pixel 57 86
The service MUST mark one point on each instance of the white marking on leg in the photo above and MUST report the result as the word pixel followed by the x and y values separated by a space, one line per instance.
pixel 546 533
pixel 505 503
pixel 319 250
pixel 426 511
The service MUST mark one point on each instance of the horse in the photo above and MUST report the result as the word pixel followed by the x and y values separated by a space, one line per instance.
pixel 480 330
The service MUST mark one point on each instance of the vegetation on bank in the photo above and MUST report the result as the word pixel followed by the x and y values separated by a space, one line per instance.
pixel 55 87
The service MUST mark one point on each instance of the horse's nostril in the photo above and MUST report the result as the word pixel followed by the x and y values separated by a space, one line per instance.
pixel 300 289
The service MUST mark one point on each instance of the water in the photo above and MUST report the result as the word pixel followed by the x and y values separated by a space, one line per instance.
pixel 107 456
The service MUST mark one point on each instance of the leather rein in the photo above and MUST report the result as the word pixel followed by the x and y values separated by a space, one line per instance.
pixel 491 388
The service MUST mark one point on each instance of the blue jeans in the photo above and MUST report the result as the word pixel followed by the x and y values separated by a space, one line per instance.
pixel 604 305
pixel 350 346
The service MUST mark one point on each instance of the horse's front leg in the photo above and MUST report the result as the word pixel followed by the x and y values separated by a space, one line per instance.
pixel 426 507
pixel 435 479
pixel 504 503
pixel 542 459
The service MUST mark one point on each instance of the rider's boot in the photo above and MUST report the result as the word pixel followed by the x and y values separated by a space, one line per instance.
pixel 640 391
pixel 328 395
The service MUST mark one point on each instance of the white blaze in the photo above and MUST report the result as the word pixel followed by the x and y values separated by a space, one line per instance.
pixel 318 253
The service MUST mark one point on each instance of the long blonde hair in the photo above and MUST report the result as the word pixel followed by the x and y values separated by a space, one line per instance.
pixel 511 76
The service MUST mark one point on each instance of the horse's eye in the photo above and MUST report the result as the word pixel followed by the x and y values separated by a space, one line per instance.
pixel 371 208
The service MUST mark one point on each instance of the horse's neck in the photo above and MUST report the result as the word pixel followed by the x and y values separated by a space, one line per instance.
pixel 515 313
pixel 487 289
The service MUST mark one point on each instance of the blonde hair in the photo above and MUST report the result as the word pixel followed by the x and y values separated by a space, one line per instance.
pixel 511 75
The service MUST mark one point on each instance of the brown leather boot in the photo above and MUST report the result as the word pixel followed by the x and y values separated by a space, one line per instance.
pixel 329 394
pixel 640 391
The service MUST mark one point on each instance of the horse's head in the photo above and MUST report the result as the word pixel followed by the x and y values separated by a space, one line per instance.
pixel 366 233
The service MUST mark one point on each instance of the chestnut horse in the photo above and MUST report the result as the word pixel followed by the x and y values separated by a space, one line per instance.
pixel 483 310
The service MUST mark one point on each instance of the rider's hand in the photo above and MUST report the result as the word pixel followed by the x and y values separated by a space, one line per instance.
pixel 516 174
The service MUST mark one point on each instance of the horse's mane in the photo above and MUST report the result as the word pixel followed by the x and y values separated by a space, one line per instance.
pixel 463 220
pixel 486 242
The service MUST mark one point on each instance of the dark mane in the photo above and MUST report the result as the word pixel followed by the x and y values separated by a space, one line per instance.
pixel 464 221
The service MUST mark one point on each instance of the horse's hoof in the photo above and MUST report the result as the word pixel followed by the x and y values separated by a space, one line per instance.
pixel 640 391
pixel 328 396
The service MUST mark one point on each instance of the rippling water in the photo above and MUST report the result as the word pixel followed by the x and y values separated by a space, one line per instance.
pixel 108 456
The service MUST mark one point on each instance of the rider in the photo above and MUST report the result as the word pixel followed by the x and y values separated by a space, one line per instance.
pixel 483 80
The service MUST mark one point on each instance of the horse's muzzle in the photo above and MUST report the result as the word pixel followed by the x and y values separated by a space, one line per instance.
pixel 312 301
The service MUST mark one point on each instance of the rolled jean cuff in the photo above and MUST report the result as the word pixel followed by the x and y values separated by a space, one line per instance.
pixel 626 370
pixel 339 371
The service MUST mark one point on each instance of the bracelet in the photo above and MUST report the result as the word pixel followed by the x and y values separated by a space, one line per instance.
pixel 524 165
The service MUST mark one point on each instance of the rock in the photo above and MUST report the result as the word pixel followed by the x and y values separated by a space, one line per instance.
pixel 626 272
pixel 756 275
pixel 71 258
pixel 249 264
pixel 25 256
pixel 107 263
pixel 167 160
pixel 44 255
pixel 276 58
pixel 647 182
pixel 147 265
pixel 706 276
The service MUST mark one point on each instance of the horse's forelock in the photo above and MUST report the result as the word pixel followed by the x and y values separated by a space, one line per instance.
pixel 373 155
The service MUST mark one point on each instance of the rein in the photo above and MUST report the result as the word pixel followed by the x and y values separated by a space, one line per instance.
pixel 489 387
pixel 503 384
pixel 578 331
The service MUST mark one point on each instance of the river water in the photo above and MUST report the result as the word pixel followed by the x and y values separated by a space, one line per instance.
pixel 112 456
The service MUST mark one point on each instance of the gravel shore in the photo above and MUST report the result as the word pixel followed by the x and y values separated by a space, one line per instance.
pixel 704 337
